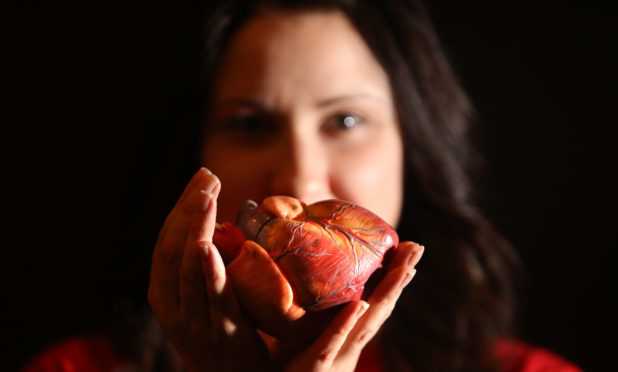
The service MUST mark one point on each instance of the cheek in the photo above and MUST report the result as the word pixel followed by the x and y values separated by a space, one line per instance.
pixel 372 178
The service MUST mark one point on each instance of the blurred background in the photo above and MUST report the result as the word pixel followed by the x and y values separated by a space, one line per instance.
pixel 89 86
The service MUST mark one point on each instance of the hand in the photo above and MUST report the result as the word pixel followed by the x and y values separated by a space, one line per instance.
pixel 340 346
pixel 189 291
pixel 194 302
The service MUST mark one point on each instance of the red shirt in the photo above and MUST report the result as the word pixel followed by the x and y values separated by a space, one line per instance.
pixel 520 357
pixel 88 354
pixel 96 354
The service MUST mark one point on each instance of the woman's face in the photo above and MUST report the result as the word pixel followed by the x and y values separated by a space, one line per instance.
pixel 302 108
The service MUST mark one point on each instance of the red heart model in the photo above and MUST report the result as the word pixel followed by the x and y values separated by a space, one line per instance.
pixel 287 260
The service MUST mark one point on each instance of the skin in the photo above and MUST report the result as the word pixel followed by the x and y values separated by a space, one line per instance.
pixel 287 83
pixel 287 86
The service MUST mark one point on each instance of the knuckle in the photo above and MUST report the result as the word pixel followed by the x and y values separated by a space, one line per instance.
pixel 170 255
pixel 189 278
pixel 170 324
pixel 215 304
pixel 325 356
pixel 214 277
pixel 364 337
pixel 197 229
pixel 195 330
pixel 219 303
pixel 173 322
pixel 224 329
pixel 187 208
pixel 387 313
pixel 342 331
pixel 225 301
pixel 172 329
pixel 385 307
pixel 384 303
pixel 229 327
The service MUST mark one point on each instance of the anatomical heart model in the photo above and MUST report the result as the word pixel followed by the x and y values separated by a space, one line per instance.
pixel 290 264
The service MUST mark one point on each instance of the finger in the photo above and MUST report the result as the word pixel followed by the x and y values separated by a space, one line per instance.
pixel 195 181
pixel 226 318
pixel 325 349
pixel 381 302
pixel 407 254
pixel 192 292
pixel 164 276
pixel 169 247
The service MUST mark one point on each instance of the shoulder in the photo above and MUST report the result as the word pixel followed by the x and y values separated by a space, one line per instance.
pixel 522 357
pixel 91 353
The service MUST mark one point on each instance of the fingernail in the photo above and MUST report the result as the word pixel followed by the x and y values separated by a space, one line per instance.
pixel 206 170
pixel 415 256
pixel 207 200
pixel 407 278
pixel 213 182
pixel 209 185
pixel 361 311
pixel 203 250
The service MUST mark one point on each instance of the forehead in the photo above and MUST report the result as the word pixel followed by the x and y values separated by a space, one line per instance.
pixel 314 52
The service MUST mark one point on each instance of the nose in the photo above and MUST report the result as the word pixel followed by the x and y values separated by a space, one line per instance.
pixel 303 169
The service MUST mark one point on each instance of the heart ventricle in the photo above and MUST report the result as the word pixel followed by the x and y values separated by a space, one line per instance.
pixel 328 251
pixel 307 257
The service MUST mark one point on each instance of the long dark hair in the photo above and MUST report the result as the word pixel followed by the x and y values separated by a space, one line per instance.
pixel 462 300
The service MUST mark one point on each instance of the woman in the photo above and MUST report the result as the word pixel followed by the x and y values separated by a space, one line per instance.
pixel 352 100
pixel 349 99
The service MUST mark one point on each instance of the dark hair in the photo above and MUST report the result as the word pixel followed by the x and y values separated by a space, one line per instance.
pixel 462 300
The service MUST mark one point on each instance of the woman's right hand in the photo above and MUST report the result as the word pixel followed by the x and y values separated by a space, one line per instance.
pixel 189 292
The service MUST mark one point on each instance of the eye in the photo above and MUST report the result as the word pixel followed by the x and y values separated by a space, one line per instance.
pixel 251 129
pixel 250 123
pixel 343 122
pixel 348 121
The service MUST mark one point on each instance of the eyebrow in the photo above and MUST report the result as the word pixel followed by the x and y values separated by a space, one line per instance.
pixel 346 97
pixel 244 101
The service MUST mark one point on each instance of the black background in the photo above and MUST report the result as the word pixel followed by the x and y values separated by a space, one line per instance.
pixel 80 79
